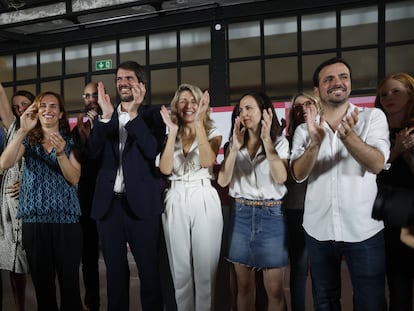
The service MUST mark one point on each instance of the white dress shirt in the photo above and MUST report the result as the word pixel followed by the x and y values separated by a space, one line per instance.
pixel 341 192
pixel 123 118
pixel 252 178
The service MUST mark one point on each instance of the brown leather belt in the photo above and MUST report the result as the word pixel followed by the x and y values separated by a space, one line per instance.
pixel 259 202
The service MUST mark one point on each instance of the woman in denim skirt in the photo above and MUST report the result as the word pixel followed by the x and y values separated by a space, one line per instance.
pixel 255 168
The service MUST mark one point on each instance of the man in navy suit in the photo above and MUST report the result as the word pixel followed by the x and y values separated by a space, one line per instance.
pixel 127 201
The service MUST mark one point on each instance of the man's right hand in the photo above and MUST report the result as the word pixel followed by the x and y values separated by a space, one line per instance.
pixel 104 101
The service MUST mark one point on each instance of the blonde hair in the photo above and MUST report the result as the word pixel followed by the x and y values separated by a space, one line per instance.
pixel 197 93
pixel 291 116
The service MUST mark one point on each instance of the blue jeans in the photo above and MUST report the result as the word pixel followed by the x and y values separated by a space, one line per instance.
pixel 366 265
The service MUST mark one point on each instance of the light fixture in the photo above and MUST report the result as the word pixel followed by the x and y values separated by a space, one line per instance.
pixel 16 4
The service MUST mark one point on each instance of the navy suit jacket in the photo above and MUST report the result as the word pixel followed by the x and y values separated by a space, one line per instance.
pixel 142 180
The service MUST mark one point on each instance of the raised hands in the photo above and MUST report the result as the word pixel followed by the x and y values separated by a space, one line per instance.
pixel 84 128
pixel 138 91
pixel 238 134
pixel 316 131
pixel 29 118
pixel 165 114
pixel 58 143
pixel 104 101
pixel 404 140
pixel 203 107
pixel 267 116
pixel 347 125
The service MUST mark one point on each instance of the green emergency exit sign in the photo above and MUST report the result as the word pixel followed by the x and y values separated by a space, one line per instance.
pixel 103 64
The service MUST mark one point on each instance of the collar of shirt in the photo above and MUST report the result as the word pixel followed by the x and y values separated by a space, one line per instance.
pixel 123 116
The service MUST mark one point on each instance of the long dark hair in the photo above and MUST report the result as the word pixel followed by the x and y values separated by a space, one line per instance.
pixel 263 102
pixel 24 93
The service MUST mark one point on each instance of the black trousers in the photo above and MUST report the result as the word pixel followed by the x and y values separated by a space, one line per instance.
pixel 90 260
pixel 54 249
pixel 399 259
pixel 117 229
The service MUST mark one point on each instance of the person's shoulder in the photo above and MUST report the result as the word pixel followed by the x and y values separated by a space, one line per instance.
pixel 369 112
pixel 150 111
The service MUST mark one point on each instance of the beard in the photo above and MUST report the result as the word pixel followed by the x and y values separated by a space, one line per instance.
pixel 97 108
pixel 336 101
pixel 126 98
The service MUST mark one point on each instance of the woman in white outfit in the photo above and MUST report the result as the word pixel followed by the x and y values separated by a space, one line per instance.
pixel 192 219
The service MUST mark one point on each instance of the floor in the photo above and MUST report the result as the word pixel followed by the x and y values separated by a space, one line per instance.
pixel 8 303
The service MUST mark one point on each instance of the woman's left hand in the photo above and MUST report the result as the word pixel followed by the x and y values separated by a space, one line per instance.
pixel 266 124
pixel 407 138
pixel 58 143
pixel 203 107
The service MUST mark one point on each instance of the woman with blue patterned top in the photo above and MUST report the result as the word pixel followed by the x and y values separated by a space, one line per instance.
pixel 48 204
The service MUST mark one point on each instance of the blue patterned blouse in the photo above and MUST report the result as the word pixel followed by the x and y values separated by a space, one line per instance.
pixel 45 195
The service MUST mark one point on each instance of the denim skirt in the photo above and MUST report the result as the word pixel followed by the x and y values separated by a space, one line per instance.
pixel 257 236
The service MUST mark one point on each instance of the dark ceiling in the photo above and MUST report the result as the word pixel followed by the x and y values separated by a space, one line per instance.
pixel 30 24
pixel 27 24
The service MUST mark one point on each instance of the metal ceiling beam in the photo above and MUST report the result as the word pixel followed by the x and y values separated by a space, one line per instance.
pixel 119 28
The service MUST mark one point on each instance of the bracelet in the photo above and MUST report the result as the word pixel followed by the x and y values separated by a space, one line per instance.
pixel 60 154
pixel 270 160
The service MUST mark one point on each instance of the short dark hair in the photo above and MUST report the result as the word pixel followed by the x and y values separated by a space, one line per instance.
pixel 135 67
pixel 326 63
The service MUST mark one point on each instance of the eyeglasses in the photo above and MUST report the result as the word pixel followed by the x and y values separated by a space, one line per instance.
pixel 299 107
pixel 88 95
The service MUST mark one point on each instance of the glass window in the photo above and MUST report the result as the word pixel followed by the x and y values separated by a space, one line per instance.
pixel 51 63
pixel 9 93
pixel 73 94
pixel 195 44
pixel 133 49
pixel 319 31
pixel 103 51
pixel 52 86
pixel 26 66
pixel 399 21
pixel 28 87
pixel 163 85
pixel 76 59
pixel 163 48
pixel 364 68
pixel 6 68
pixel 359 26
pixel 196 75
pixel 244 76
pixel 309 64
pixel 280 35
pixel 244 39
pixel 399 59
pixel 281 76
